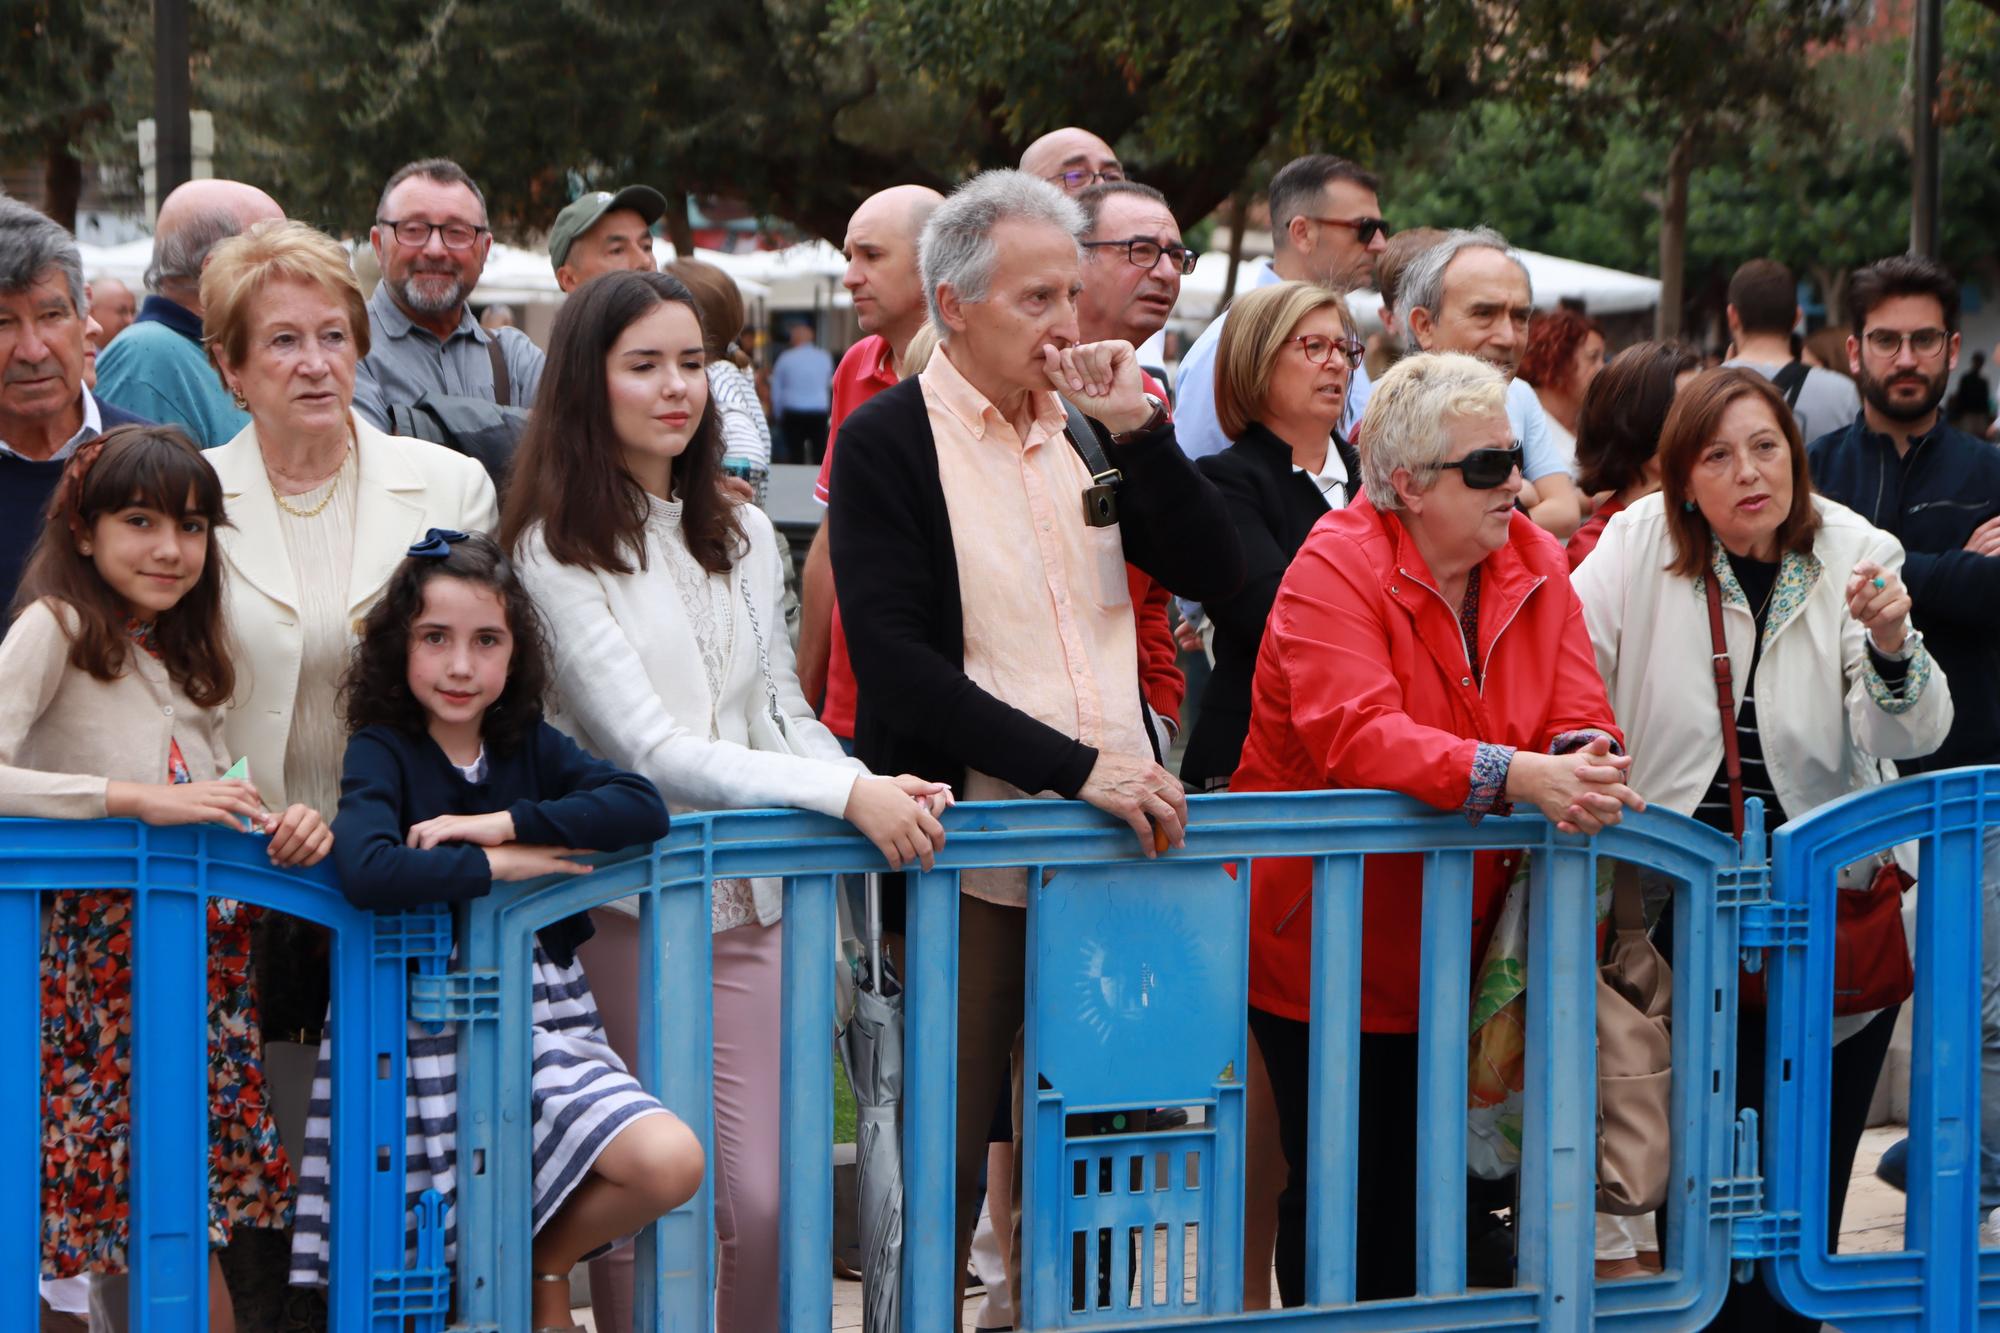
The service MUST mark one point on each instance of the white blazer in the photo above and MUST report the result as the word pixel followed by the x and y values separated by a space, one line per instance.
pixel 1824 716
pixel 405 486
pixel 630 686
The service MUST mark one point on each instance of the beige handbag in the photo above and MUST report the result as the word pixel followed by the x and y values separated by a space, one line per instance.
pixel 1635 1001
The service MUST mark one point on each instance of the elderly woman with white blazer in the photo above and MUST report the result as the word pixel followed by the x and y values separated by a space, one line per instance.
pixel 671 659
pixel 1828 680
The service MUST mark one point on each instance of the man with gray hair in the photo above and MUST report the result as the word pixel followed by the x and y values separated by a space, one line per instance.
pixel 1469 293
pixel 431 241
pixel 979 534
pixel 159 367
pixel 46 411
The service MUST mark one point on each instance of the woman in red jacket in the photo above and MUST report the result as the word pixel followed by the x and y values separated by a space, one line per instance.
pixel 1425 640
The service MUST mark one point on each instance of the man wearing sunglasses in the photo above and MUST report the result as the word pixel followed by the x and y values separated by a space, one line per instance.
pixel 1468 293
pixel 1326 228
pixel 431 241
pixel 1936 489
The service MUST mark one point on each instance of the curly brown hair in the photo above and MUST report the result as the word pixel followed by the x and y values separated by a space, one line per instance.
pixel 154 467
pixel 1552 342
pixel 569 474
pixel 375 691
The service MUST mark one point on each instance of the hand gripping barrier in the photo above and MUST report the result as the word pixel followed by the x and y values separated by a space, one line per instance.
pixel 172 872
pixel 1136 997
pixel 1941 1279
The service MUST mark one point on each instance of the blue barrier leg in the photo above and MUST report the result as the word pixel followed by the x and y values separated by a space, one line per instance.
pixel 169 1249
pixel 676 1061
pixel 1441 1073
pixel 930 1079
pixel 1556 1237
pixel 806 1279
pixel 1333 1117
pixel 1943 1209
pixel 20 1105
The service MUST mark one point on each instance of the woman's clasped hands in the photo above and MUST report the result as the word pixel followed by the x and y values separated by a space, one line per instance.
pixel 1582 792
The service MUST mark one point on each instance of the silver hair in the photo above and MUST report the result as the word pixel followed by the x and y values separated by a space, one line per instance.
pixel 179 252
pixel 1409 416
pixel 1423 280
pixel 30 242
pixel 957 245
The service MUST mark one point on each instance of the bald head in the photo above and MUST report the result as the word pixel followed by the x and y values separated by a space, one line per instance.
pixel 1071 150
pixel 112 305
pixel 881 250
pixel 193 219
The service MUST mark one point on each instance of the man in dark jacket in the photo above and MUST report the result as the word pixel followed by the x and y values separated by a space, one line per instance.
pixel 1904 468
pixel 980 568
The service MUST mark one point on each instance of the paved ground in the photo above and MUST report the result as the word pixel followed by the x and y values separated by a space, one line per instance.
pixel 1874 1222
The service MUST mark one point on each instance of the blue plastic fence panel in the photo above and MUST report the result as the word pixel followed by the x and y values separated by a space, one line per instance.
pixel 172 874
pixel 1941 1280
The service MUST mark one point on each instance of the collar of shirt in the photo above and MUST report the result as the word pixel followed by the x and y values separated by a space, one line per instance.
pixel 158 309
pixel 1917 442
pixel 93 426
pixel 388 317
pixel 966 403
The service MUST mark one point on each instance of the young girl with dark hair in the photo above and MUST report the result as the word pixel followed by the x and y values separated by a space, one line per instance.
pixel 116 675
pixel 671 658
pixel 452 781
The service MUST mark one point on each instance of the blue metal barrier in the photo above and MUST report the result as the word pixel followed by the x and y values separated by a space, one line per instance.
pixel 1941 1279
pixel 1151 953
pixel 172 872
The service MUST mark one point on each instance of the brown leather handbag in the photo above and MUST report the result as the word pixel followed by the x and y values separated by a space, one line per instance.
pixel 1635 1051
pixel 1871 959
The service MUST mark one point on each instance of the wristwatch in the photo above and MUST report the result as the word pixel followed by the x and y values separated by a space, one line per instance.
pixel 1148 426
pixel 1913 639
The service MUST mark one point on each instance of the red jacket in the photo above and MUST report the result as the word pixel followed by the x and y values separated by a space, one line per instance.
pixel 1362 681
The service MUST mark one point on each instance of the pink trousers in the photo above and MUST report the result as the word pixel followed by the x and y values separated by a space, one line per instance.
pixel 749 985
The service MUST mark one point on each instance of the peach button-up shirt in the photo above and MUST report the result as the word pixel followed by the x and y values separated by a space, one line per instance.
pixel 1048 612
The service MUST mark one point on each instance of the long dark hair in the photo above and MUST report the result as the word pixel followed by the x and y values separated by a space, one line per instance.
pixel 569 473
pixel 1624 409
pixel 376 688
pixel 159 468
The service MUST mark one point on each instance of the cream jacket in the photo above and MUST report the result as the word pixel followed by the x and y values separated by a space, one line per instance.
pixel 405 487
pixel 65 735
pixel 630 685
pixel 1824 716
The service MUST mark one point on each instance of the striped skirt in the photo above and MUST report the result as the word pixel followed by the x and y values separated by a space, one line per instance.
pixel 582 1096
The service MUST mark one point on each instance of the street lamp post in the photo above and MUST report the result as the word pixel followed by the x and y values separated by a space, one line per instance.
pixel 171 95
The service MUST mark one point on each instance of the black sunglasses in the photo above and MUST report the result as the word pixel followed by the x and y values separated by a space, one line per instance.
pixel 1483 469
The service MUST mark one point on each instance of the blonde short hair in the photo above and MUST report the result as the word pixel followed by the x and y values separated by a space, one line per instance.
pixel 240 268
pixel 1259 326
pixel 1410 410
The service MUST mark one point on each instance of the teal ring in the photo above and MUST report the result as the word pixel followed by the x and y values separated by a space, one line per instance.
pixel 1881 582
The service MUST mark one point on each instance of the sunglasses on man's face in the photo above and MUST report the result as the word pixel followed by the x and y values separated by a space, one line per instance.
pixel 1483 469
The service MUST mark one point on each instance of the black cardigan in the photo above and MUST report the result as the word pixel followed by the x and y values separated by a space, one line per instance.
pixel 1273 508
pixel 896 576
pixel 559 796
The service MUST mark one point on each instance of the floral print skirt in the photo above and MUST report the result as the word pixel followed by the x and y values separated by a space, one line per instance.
pixel 87 1064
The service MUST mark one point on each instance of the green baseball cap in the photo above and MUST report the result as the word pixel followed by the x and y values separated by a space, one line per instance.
pixel 582 214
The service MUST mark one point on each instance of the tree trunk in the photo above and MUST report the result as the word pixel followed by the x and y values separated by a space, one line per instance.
pixel 676 224
pixel 62 182
pixel 1673 238
pixel 1239 211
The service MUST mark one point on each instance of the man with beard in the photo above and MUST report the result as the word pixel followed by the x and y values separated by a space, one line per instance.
pixel 1905 469
pixel 431 241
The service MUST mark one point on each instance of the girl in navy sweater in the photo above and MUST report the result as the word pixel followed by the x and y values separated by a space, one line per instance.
pixel 452 780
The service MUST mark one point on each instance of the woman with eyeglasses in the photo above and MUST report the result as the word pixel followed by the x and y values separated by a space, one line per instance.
pixel 1425 640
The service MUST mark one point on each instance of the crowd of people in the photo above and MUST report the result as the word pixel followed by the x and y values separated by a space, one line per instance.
pixel 1493 574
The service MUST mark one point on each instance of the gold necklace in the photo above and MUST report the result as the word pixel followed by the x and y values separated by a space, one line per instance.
pixel 324 500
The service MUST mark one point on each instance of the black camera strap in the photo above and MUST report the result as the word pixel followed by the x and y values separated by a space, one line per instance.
pixel 1100 499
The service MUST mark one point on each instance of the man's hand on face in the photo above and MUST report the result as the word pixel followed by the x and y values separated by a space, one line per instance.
pixel 1101 378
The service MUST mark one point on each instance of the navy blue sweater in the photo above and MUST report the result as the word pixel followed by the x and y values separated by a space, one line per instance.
pixel 559 796
pixel 1931 499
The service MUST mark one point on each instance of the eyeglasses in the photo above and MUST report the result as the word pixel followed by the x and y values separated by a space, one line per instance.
pixel 1365 229
pixel 416 235
pixel 1924 342
pixel 1319 348
pixel 1078 177
pixel 1483 469
pixel 1144 253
